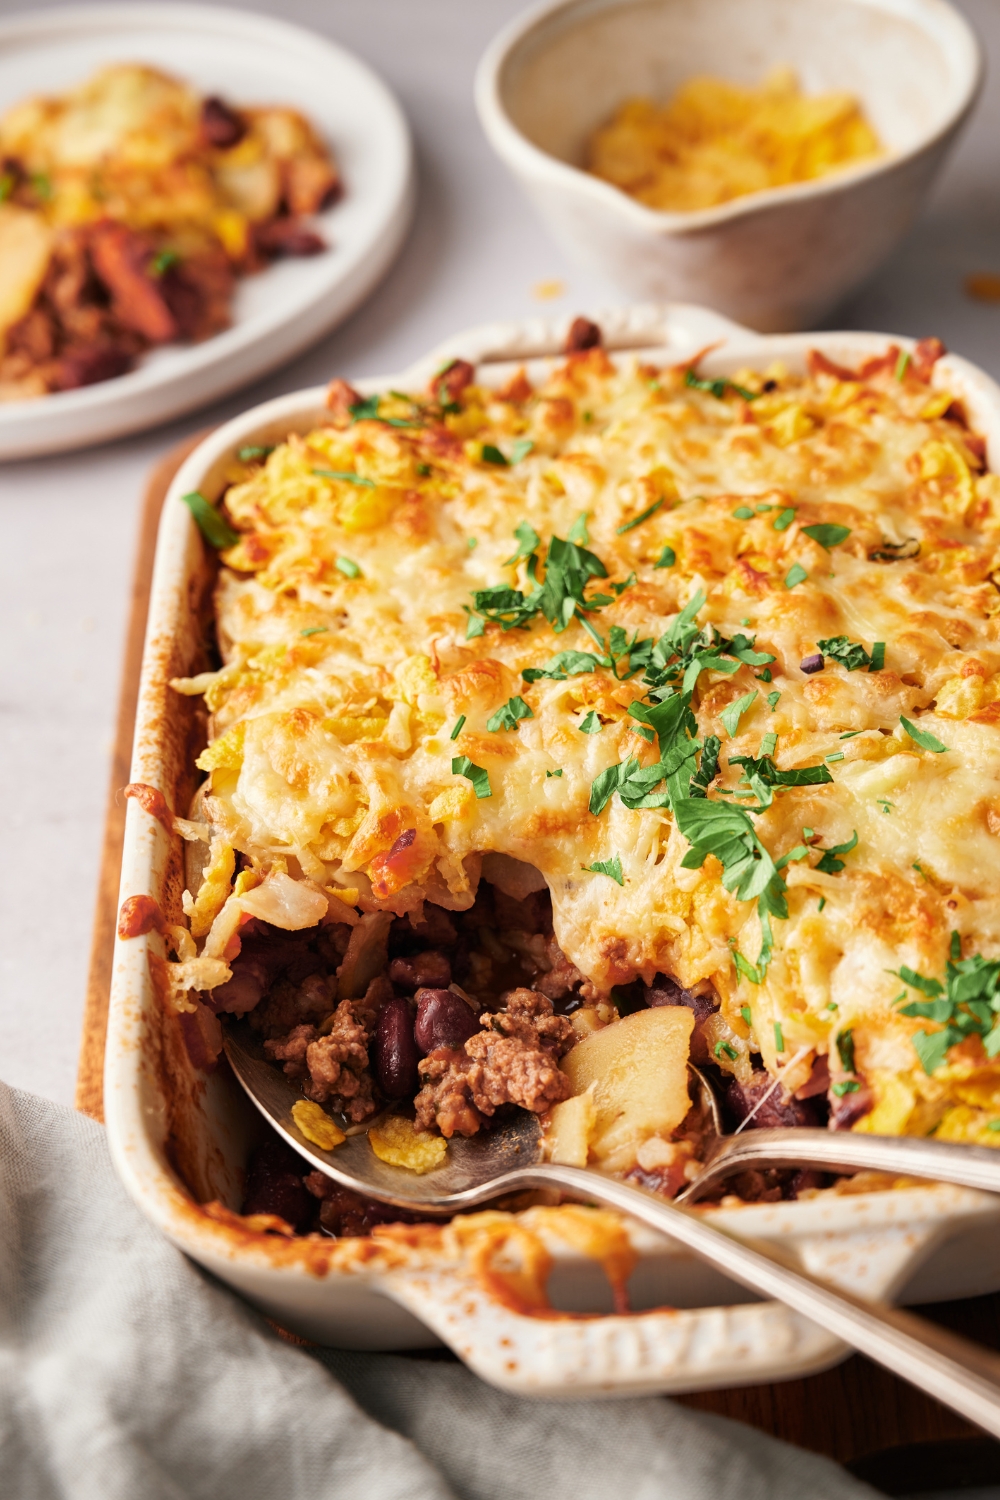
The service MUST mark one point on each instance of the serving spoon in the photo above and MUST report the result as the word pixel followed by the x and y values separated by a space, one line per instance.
pixel 508 1158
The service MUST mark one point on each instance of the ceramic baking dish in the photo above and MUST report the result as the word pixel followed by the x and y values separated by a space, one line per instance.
pixel 180 1138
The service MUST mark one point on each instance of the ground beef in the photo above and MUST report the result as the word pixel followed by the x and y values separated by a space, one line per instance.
pixel 331 1065
pixel 512 1060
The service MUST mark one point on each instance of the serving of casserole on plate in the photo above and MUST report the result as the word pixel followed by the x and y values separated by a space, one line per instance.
pixel 151 156
pixel 572 719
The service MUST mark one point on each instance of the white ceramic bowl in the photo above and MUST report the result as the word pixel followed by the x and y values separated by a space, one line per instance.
pixel 774 260
pixel 180 1138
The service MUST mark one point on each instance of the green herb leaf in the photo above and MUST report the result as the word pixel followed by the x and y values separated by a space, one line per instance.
pixel 491 455
pixel 214 527
pixel 463 766
pixel 745 968
pixel 901 363
pixel 878 657
pixel 723 1049
pixel 348 567
pixel 459 724
pixel 830 864
pixel 779 1037
pixel 666 559
pixel 731 715
pixel 475 627
pixel 472 543
pixel 743 513
pixel 509 715
pixel 611 867
pixel 923 737
pixel 828 536
pixel 520 448
pixel 367 410
pixel 845 1049
pixel 163 261
pixel 772 700
pixel 718 388
pixel 762 777
pixel 837 755
pixel 578 531
pixel 638 520
pixel 846 1086
pixel 745 1013
pixel 821 903
pixel 590 724
pixel 563 665
pixel 795 575
pixel 553 773
pixel 314 630
pixel 251 451
pixel 347 475
pixel 782 522
pixel 847 653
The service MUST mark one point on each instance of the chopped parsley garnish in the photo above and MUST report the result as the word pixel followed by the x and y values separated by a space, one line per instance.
pixel 348 567
pixel 830 864
pixel 638 520
pixel 553 773
pixel 251 451
pixel 845 1049
pixel 459 724
pixel 590 724
pixel 772 700
pixel 993 1125
pixel 491 455
pixel 367 410
pixel 666 559
pixel 745 1013
pixel 347 475
pixel 919 869
pixel 723 1049
pixel 578 531
pixel 718 388
pixel 462 766
pixel 214 527
pixel 846 1086
pixel 472 543
pixel 901 363
pixel 568 569
pixel 782 522
pixel 163 261
pixel 922 737
pixel 508 716
pixel 779 1037
pixel 837 755
pixel 852 655
pixel 610 867
pixel 731 715
pixel 314 630
pixel 850 733
pixel 827 535
pixel 821 903
pixel 965 1005
pixel 743 513
pixel 884 803
pixel 762 777
pixel 520 449
pixel 423 470
pixel 795 575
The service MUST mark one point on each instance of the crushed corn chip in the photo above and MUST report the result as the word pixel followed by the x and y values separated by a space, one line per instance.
pixel 397 1142
pixel 316 1125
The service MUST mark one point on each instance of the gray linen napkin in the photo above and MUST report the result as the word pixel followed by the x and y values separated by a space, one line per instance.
pixel 128 1374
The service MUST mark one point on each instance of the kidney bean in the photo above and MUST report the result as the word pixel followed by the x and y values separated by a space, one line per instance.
pixel 813 663
pixel 429 970
pixel 777 1110
pixel 443 1020
pixel 396 1054
pixel 220 125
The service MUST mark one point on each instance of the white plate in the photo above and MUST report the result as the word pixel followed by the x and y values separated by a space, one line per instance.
pixel 250 60
pixel 179 1138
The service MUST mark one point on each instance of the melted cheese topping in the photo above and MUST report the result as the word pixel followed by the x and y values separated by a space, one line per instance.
pixel 349 685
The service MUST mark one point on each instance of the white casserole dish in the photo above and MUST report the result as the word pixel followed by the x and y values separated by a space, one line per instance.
pixel 180 1138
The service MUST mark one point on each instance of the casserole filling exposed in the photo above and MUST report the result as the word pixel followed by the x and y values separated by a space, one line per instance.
pixel 565 735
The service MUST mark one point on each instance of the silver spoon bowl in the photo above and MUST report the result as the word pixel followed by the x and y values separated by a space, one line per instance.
pixel 508 1158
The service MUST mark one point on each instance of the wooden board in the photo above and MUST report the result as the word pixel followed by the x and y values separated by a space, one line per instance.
pixel 897 1438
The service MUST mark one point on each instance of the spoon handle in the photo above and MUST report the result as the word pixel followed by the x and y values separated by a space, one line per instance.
pixel 905 1156
pixel 957 1373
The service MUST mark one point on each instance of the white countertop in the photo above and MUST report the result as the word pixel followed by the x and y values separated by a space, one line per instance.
pixel 476 253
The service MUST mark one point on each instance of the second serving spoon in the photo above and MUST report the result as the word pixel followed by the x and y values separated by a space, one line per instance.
pixel 508 1158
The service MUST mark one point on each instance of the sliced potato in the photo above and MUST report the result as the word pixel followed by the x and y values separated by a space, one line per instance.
pixel 25 251
pixel 571 1123
pixel 638 1068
